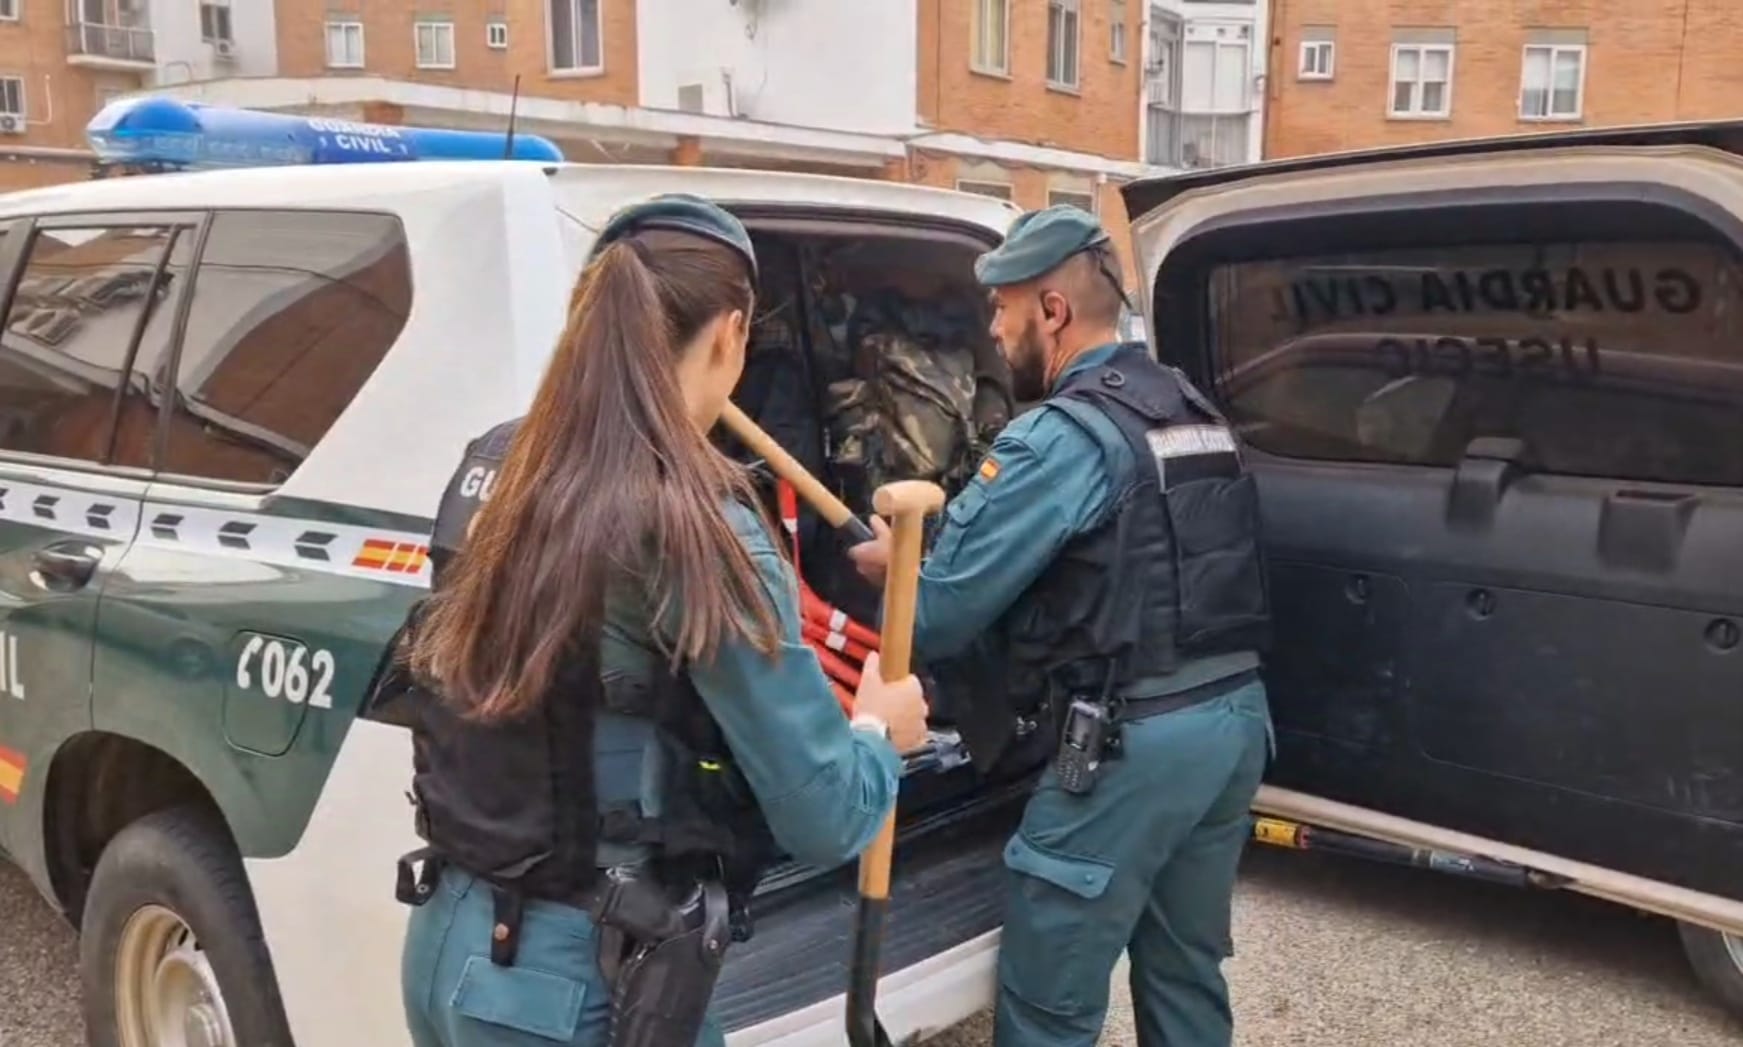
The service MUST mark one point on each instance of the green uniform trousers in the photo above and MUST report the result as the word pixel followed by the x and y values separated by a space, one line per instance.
pixel 553 994
pixel 1144 864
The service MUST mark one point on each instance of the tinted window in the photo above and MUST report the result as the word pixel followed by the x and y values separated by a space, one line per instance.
pixel 68 332
pixel 292 311
pixel 1608 359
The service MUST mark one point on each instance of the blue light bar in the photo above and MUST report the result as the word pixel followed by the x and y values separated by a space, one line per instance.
pixel 187 135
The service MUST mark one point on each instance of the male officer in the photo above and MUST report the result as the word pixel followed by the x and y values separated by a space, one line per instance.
pixel 1109 541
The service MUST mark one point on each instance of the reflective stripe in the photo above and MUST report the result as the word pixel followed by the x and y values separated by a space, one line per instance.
pixel 399 557
pixel 65 509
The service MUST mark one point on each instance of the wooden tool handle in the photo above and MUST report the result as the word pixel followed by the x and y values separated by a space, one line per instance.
pixel 907 503
pixel 788 468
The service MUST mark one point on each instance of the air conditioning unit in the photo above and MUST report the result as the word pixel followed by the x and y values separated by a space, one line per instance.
pixel 224 48
pixel 11 124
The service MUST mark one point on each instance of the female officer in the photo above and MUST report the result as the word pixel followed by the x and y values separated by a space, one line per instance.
pixel 614 587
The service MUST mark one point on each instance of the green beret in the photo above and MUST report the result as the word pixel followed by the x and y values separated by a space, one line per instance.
pixel 1037 243
pixel 684 213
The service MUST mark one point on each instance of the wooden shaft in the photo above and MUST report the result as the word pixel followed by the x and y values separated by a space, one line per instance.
pixel 787 467
pixel 907 503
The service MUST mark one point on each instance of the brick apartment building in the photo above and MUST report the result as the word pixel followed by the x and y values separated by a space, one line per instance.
pixel 1350 74
pixel 62 60
pixel 1037 101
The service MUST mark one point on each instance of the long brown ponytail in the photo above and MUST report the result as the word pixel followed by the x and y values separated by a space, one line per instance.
pixel 607 483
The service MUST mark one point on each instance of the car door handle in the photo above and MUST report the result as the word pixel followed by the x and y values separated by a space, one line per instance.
pixel 64 566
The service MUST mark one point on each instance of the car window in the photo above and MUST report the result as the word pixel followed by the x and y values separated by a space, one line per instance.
pixel 68 332
pixel 292 311
pixel 1611 359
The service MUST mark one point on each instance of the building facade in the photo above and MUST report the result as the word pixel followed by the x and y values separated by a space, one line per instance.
pixel 1351 74
pixel 1035 101
pixel 62 60
pixel 1204 82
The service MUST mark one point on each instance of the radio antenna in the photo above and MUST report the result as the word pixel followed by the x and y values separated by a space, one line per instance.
pixel 513 106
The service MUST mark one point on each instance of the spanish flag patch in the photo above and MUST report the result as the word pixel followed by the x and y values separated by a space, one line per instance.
pixel 989 469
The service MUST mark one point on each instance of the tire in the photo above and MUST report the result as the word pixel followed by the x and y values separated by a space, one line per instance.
pixel 1718 962
pixel 171 872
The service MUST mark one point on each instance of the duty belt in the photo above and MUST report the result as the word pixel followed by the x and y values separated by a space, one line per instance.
pixel 1131 709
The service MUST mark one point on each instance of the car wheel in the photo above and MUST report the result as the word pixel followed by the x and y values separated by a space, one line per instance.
pixel 171 952
pixel 1718 961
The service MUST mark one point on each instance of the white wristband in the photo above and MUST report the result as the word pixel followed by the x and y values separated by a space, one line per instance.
pixel 868 722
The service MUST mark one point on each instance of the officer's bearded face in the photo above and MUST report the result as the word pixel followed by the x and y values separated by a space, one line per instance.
pixel 1016 326
pixel 1028 360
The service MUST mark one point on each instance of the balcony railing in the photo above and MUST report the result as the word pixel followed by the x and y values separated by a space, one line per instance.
pixel 1197 140
pixel 120 43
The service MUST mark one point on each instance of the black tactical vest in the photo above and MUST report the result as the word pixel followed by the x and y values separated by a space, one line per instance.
pixel 1173 575
pixel 516 802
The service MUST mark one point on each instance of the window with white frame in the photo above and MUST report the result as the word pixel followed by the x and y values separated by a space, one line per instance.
pixel 345 45
pixel 1316 59
pixel 1552 82
pixel 1063 21
pixel 1071 198
pixel 1001 190
pixel 1216 68
pixel 575 45
pixel 9 10
pixel 215 21
pixel 1422 80
pixel 992 37
pixel 1117 31
pixel 435 44
pixel 496 35
pixel 12 96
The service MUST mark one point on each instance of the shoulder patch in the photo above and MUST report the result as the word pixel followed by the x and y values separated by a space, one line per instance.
pixel 989 468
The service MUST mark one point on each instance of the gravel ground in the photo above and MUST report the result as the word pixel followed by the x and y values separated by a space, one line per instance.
pixel 1328 951
pixel 39 970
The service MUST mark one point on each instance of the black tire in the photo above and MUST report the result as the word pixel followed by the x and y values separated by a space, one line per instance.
pixel 182 859
pixel 1718 964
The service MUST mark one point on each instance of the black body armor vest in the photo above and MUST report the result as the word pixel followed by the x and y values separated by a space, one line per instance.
pixel 516 803
pixel 1174 574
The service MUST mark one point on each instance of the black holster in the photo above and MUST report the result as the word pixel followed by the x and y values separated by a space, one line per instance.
pixel 661 958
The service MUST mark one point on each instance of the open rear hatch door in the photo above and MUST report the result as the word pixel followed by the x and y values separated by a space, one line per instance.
pixel 1493 396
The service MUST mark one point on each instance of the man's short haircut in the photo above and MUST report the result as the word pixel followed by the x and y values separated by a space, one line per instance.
pixel 1093 279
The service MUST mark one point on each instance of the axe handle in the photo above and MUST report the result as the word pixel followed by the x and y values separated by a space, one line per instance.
pixel 906 503
pixel 788 468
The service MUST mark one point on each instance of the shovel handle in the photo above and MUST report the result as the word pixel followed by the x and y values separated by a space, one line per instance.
pixel 788 468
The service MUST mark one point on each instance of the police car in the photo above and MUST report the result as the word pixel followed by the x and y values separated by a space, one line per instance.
pixel 229 402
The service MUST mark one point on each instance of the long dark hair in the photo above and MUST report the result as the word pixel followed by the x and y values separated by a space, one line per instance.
pixel 607 483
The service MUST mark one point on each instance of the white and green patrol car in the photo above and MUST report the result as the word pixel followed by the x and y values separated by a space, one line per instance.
pixel 229 402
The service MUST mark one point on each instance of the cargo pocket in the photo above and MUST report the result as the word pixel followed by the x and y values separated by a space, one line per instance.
pixel 1221 583
pixel 1048 945
pixel 512 1006
pixel 959 513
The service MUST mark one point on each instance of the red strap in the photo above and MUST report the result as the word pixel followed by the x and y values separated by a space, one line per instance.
pixel 788 500
pixel 836 668
pixel 821 636
pixel 844 696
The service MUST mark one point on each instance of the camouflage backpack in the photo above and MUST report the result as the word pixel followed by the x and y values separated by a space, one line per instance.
pixel 918 391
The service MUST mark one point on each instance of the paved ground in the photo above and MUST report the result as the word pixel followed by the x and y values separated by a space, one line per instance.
pixel 1328 952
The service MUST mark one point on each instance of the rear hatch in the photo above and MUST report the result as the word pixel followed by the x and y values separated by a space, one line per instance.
pixel 1493 396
